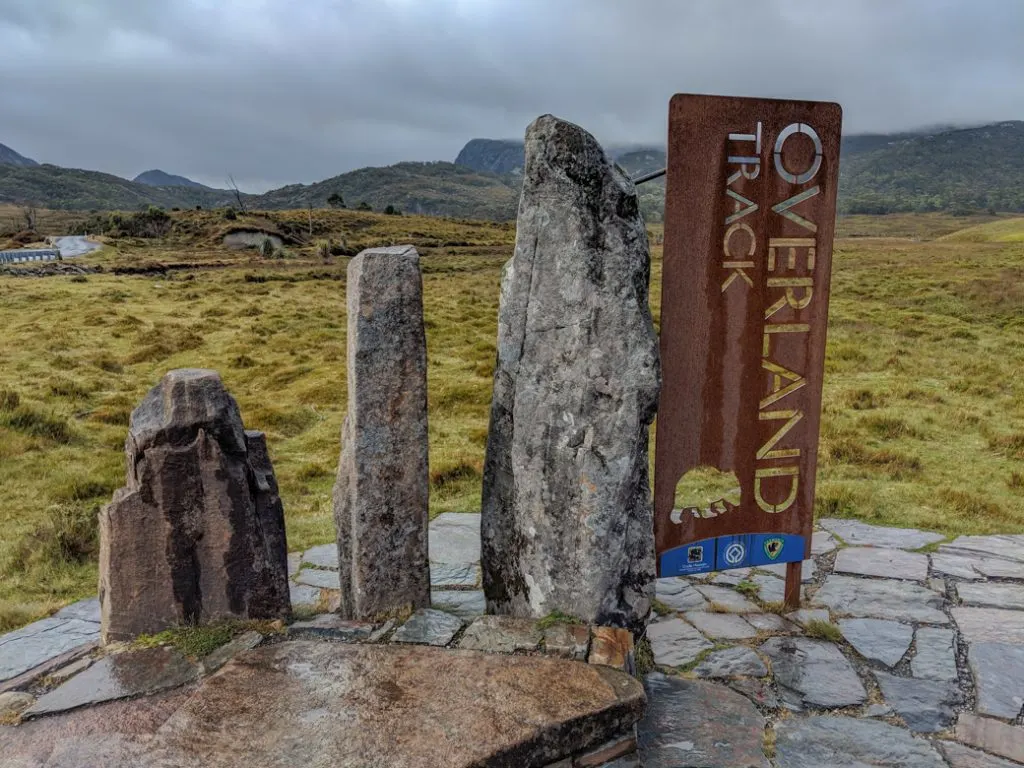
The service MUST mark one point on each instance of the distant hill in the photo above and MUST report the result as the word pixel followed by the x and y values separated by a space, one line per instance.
pixel 435 189
pixel 498 156
pixel 9 157
pixel 157 178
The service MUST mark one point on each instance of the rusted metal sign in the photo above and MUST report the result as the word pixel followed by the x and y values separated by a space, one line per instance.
pixel 749 220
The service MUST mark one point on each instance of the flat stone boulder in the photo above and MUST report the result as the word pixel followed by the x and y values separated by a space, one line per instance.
pixel 732 662
pixel 934 654
pixel 699 723
pixel 675 643
pixel 428 627
pixel 813 673
pixel 881 599
pixel 305 703
pixel 992 595
pixel 502 634
pixel 926 706
pixel 848 742
pixel 567 520
pixel 382 489
pixel 856 533
pixel 990 625
pixel 121 676
pixel 998 671
pixel 882 562
pixel 878 639
pixel 197 533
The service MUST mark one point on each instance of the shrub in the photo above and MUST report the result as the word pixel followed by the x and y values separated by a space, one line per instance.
pixel 267 249
pixel 364 206
pixel 230 214
pixel 9 400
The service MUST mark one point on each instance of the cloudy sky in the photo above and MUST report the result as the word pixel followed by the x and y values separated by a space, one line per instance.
pixel 284 91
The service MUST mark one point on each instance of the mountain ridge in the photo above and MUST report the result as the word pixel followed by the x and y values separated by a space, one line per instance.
pixel 158 178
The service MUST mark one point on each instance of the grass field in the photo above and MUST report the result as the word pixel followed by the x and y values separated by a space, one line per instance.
pixel 923 410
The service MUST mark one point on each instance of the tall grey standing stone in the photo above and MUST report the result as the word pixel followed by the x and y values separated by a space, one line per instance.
pixel 382 490
pixel 567 522
pixel 197 533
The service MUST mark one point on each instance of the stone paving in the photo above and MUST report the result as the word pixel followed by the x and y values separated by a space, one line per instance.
pixel 899 656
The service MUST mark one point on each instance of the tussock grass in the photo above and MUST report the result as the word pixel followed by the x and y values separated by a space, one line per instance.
pixel 923 400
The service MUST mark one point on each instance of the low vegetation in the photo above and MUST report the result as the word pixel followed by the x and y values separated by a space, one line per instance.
pixel 923 419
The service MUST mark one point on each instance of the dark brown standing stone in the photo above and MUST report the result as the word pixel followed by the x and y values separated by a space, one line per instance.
pixel 382 490
pixel 567 523
pixel 197 533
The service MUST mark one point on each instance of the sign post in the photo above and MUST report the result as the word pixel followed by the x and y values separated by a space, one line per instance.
pixel 749 221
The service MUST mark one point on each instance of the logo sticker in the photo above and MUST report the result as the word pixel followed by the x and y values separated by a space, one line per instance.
pixel 735 553
pixel 695 554
pixel 773 547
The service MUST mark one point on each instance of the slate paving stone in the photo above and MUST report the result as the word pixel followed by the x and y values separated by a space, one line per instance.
pixel 935 654
pixel 882 562
pixel 501 634
pixel 960 756
pixel 26 648
pixel 1000 569
pixel 878 639
pixel 428 627
pixel 721 626
pixel 294 563
pixel 679 595
pixel 324 556
pixel 732 662
pixel 877 710
pixel 454 537
pixel 759 691
pixel 731 578
pixel 675 643
pixel 769 622
pixel 881 599
pixel 726 599
pixel 961 567
pixel 86 610
pixel 926 706
pixel 303 596
pixel 990 625
pixel 849 742
pixel 699 723
pixel 998 671
pixel 120 676
pixel 316 577
pixel 805 616
pixel 454 575
pixel 807 568
pixel 856 533
pixel 330 626
pixel 770 589
pixel 221 656
pixel 937 585
pixel 822 542
pixel 465 605
pixel 813 673
pixel 68 671
pixel 992 736
pixel 1005 547
pixel 989 595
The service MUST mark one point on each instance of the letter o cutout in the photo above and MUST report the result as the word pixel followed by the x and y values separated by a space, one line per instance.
pixel 806 130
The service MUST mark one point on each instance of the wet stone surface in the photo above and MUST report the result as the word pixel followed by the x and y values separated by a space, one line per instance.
pixel 926 706
pixel 330 626
pixel 847 742
pixel 428 627
pixel 732 662
pixel 32 645
pixel 813 673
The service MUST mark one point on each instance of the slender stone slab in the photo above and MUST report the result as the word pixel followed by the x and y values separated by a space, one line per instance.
pixel 878 639
pixel 935 654
pixel 992 736
pixel 197 533
pixel 856 533
pixel 381 494
pixel 881 599
pixel 567 517
pixel 849 742
pixel 998 671
pixel 989 595
pixel 883 562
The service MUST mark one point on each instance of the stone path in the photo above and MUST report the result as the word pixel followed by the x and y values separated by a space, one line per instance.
pixel 899 657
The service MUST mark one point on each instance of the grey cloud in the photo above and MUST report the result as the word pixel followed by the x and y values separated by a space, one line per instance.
pixel 279 91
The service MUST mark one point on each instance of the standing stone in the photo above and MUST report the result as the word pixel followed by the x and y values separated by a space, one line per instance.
pixel 197 533
pixel 382 490
pixel 567 520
